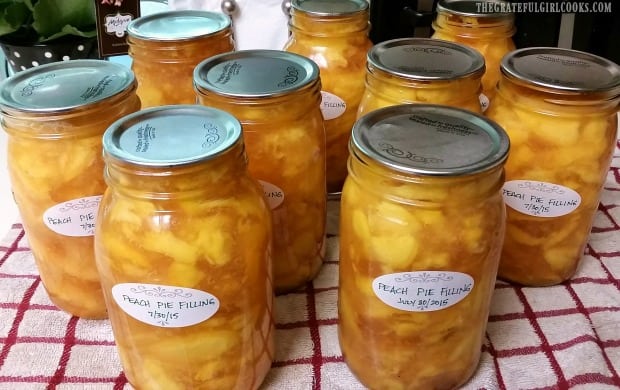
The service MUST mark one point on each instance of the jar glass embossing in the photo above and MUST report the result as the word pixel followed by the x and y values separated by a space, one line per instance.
pixel 559 107
pixel 421 229
pixel 276 96
pixel 183 247
pixel 55 115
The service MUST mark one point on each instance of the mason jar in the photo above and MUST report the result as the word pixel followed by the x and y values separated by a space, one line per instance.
pixel 276 95
pixel 422 70
pixel 559 108
pixel 166 46
pixel 183 247
pixel 335 36
pixel 487 26
pixel 421 229
pixel 55 115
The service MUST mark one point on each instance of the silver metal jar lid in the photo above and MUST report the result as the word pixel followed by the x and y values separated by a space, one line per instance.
pixel 477 8
pixel 425 59
pixel 562 71
pixel 430 140
pixel 329 7
pixel 178 25
pixel 173 135
pixel 64 86
pixel 255 73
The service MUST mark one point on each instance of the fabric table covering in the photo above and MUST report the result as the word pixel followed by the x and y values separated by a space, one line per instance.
pixel 559 337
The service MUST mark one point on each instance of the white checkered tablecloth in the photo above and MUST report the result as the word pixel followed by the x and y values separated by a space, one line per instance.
pixel 566 336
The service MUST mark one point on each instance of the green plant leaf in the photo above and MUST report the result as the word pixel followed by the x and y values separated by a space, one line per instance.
pixel 55 18
pixel 70 30
pixel 14 14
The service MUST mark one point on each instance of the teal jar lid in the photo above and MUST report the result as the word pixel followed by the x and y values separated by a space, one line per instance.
pixel 64 86
pixel 178 25
pixel 174 135
pixel 255 74
pixel 329 7
pixel 559 70
pixel 425 59
pixel 430 140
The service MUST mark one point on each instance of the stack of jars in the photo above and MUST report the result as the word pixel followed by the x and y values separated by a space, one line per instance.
pixel 177 221
pixel 179 197
pixel 416 277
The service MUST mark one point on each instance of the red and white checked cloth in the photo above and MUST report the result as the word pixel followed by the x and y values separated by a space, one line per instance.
pixel 561 337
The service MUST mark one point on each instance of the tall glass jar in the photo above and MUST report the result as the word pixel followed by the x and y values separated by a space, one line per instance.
pixel 559 107
pixel 183 246
pixel 276 96
pixel 487 26
pixel 166 46
pixel 55 115
pixel 422 70
pixel 334 34
pixel 421 229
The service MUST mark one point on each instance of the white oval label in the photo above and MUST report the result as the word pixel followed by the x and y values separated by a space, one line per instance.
pixel 423 290
pixel 273 193
pixel 165 306
pixel 484 102
pixel 332 106
pixel 75 218
pixel 540 199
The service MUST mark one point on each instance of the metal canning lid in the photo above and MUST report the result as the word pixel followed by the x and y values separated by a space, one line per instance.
pixel 255 73
pixel 425 59
pixel 562 70
pixel 430 140
pixel 64 86
pixel 330 7
pixel 476 8
pixel 174 135
pixel 178 25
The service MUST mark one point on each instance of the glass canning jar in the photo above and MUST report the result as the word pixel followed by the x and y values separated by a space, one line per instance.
pixel 183 245
pixel 421 229
pixel 334 34
pixel 55 115
pixel 486 26
pixel 166 46
pixel 422 70
pixel 276 96
pixel 559 108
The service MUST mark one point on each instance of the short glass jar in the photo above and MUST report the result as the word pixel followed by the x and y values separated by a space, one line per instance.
pixel 276 95
pixel 559 108
pixel 421 229
pixel 422 70
pixel 487 26
pixel 183 247
pixel 334 34
pixel 166 46
pixel 55 115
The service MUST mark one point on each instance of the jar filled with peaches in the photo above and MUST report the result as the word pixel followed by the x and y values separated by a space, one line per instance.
pixel 165 47
pixel 334 34
pixel 183 247
pixel 422 70
pixel 276 95
pixel 421 229
pixel 55 115
pixel 559 108
pixel 487 26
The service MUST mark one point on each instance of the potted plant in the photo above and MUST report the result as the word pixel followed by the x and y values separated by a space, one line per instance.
pixel 33 32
